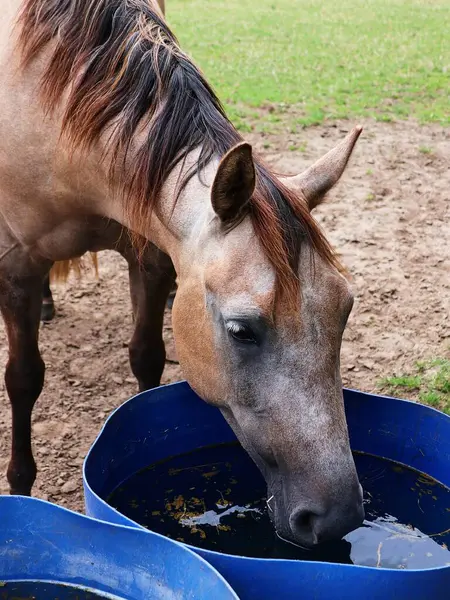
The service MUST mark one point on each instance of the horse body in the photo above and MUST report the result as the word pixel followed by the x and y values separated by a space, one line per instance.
pixel 106 127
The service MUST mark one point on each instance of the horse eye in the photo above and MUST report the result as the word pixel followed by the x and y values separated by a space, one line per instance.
pixel 241 333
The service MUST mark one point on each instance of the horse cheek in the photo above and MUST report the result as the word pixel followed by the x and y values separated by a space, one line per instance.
pixel 195 344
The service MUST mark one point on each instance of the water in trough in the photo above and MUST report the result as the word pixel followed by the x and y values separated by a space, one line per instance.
pixel 42 590
pixel 215 498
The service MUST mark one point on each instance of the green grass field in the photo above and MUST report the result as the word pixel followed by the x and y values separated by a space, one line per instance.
pixel 389 59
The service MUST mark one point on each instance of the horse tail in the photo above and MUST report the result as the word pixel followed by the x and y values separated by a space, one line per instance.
pixel 62 268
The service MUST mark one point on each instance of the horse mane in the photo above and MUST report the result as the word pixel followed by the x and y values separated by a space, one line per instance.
pixel 122 73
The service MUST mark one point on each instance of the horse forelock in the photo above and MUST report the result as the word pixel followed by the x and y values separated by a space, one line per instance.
pixel 122 72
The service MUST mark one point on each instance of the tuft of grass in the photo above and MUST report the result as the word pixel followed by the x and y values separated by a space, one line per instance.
pixel 406 382
pixel 310 60
pixel 383 118
pixel 430 398
pixel 430 382
pixel 425 150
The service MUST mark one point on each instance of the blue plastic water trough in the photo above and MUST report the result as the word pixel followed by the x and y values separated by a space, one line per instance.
pixel 172 420
pixel 43 546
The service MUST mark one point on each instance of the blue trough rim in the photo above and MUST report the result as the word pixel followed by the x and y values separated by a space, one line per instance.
pixel 268 561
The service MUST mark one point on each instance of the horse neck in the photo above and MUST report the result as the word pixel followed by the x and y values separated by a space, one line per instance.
pixel 177 220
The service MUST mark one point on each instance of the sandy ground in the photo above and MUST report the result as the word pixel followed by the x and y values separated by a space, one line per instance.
pixel 389 219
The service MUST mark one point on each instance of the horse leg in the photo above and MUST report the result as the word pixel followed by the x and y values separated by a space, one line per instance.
pixel 149 288
pixel 20 304
pixel 48 306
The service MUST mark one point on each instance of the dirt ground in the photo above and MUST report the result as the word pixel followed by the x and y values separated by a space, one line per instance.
pixel 389 218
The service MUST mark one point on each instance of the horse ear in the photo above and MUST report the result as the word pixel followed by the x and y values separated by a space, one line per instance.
pixel 234 183
pixel 316 181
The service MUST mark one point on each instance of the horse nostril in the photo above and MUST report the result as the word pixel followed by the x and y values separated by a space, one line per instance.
pixel 311 527
pixel 304 520
pixel 302 524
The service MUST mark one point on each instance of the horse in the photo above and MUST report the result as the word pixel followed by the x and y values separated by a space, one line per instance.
pixel 111 137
